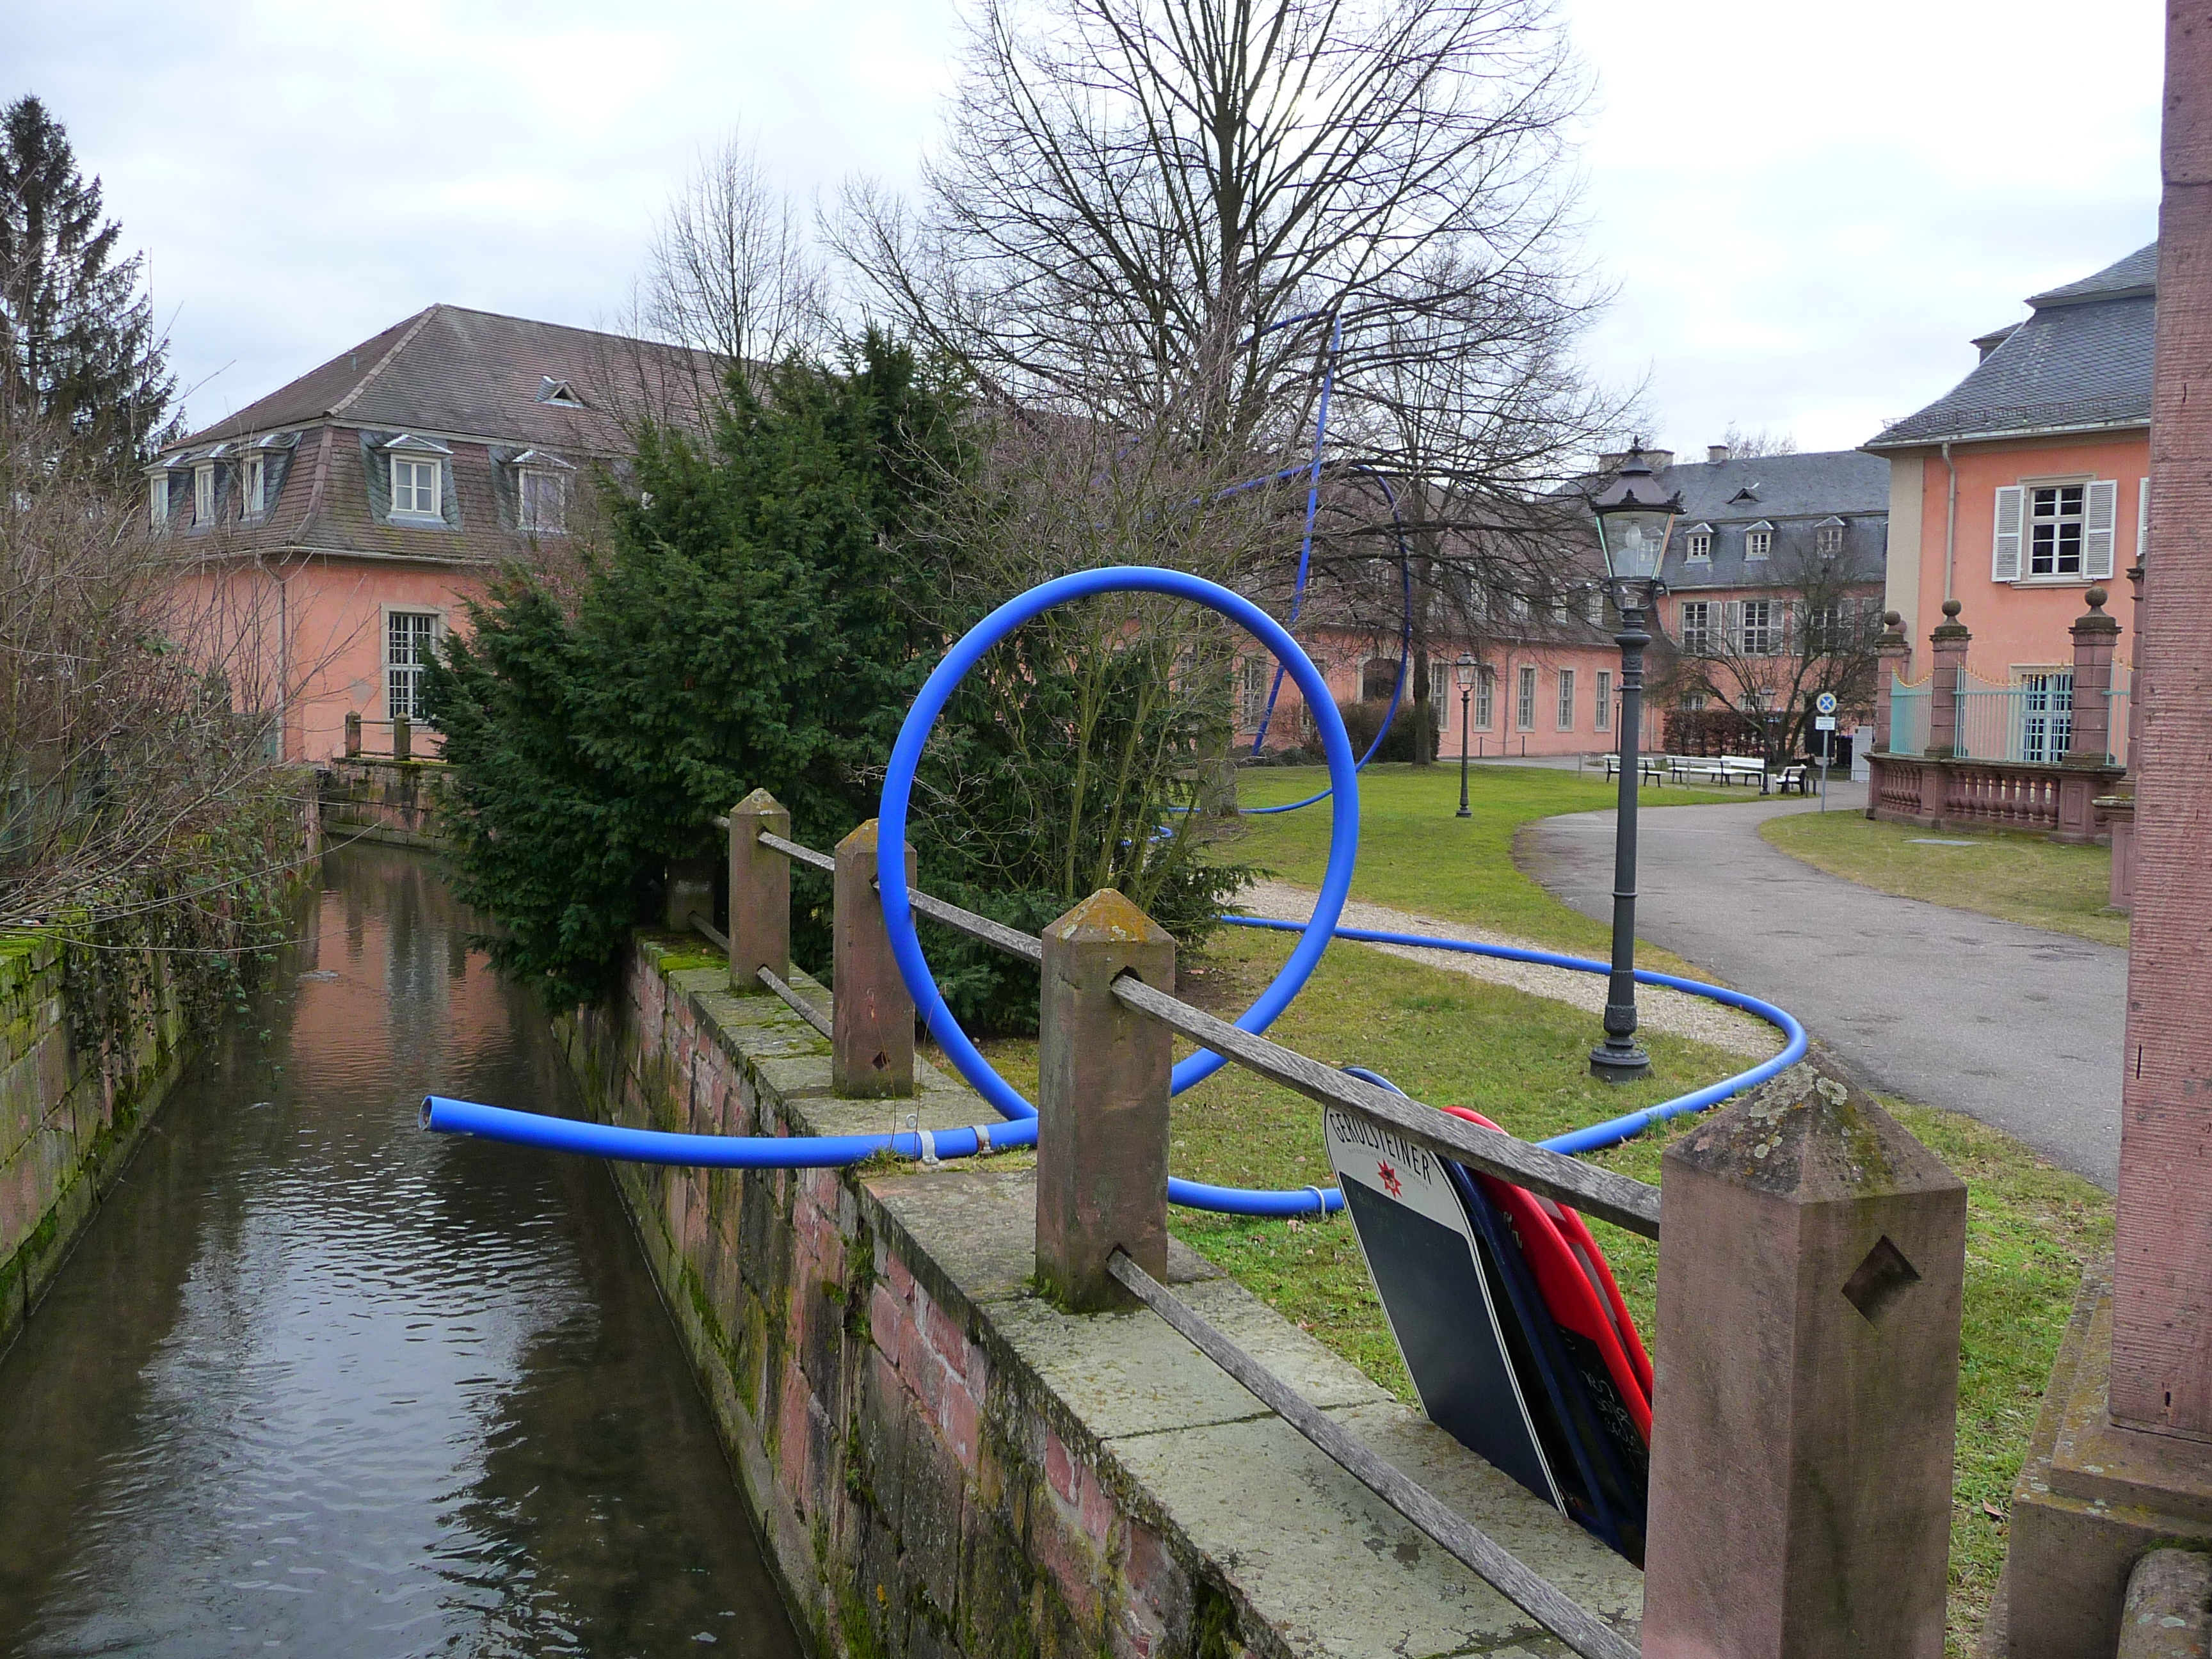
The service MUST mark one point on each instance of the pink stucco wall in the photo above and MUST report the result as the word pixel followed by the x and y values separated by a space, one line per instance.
pixel 2023 623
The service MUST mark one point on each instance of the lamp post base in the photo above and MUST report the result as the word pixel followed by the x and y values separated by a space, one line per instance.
pixel 1625 1063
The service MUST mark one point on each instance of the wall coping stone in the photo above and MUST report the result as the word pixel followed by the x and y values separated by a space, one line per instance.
pixel 1241 1498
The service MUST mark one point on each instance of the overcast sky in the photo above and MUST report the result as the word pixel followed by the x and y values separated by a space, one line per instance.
pixel 1807 212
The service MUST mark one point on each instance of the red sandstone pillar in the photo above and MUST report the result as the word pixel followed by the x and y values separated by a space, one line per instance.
pixel 2095 635
pixel 1950 640
pixel 2162 1269
pixel 1891 648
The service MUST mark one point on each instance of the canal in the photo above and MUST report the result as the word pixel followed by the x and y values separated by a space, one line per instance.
pixel 317 1382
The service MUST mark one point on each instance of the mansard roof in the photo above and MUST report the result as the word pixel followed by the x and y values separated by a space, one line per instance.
pixel 2081 361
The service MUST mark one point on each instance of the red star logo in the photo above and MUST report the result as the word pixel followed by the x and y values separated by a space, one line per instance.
pixel 1391 1184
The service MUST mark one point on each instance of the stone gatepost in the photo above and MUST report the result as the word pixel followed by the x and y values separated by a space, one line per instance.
pixel 1950 639
pixel 1891 648
pixel 760 893
pixel 353 734
pixel 2095 637
pixel 1102 1078
pixel 402 738
pixel 871 1011
pixel 1812 1256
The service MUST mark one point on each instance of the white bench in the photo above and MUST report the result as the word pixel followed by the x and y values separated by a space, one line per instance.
pixel 1724 771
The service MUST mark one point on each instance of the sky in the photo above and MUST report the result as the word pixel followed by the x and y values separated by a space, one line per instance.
pixel 1804 213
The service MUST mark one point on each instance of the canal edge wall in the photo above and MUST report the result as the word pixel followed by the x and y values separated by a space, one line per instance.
pixel 375 798
pixel 71 1112
pixel 941 1462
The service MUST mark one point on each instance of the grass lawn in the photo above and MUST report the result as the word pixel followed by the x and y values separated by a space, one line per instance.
pixel 2022 879
pixel 1416 854
pixel 1521 1060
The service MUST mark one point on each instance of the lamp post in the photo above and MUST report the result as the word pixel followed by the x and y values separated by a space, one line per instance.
pixel 1633 521
pixel 1463 672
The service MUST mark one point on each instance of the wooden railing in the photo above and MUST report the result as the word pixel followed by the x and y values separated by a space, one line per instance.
pixel 1856 1457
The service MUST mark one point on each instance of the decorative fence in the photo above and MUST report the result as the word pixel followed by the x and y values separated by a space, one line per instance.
pixel 400 739
pixel 1859 1451
pixel 1908 717
pixel 2029 719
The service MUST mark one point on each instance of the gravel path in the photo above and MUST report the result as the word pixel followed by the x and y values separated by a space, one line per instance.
pixel 1659 1009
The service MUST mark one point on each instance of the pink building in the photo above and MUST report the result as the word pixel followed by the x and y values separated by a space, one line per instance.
pixel 2013 495
pixel 348 517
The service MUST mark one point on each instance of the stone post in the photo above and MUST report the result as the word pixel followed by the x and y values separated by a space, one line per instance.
pixel 870 1015
pixel 2162 1267
pixel 402 737
pixel 1950 640
pixel 2095 635
pixel 1812 1256
pixel 1891 649
pixel 760 893
pixel 690 893
pixel 353 734
pixel 1101 1176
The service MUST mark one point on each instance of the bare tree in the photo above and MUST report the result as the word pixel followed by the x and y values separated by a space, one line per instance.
pixel 733 270
pixel 1769 655
pixel 1748 446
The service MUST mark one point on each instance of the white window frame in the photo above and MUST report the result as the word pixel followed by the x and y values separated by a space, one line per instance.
pixel 256 492
pixel 1827 540
pixel 1759 543
pixel 1594 607
pixel 526 519
pixel 1756 639
pixel 408 675
pixel 1524 701
pixel 2012 553
pixel 1701 547
pixel 1486 697
pixel 1698 641
pixel 1565 712
pixel 1601 711
pixel 203 494
pixel 1516 606
pixel 412 514
pixel 1253 699
pixel 157 498
pixel 2047 711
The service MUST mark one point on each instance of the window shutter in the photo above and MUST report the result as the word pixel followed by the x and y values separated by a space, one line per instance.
pixel 2004 554
pixel 1733 635
pixel 2142 520
pixel 2097 529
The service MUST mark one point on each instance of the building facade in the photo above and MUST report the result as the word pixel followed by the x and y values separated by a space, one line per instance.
pixel 347 518
pixel 2011 495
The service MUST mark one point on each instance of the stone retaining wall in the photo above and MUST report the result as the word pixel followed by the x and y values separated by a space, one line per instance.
pixel 68 1122
pixel 371 798
pixel 943 1463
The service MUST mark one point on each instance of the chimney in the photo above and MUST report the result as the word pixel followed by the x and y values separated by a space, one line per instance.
pixel 1716 452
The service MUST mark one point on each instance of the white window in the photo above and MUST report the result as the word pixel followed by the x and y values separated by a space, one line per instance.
pixel 1701 546
pixel 158 498
pixel 1593 607
pixel 408 636
pixel 1828 627
pixel 544 502
pixel 1486 688
pixel 1758 541
pixel 1517 607
pixel 1253 701
pixel 1696 627
pixel 1828 540
pixel 203 493
pixel 415 487
pixel 2056 521
pixel 257 485
pixel 1566 700
pixel 2046 715
pixel 1524 711
pixel 1558 607
pixel 1756 637
pixel 1601 716
pixel 1694 702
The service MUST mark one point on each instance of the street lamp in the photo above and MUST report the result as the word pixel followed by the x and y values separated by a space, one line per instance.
pixel 1634 519
pixel 1463 672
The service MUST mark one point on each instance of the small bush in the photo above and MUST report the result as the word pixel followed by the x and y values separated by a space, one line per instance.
pixel 1362 721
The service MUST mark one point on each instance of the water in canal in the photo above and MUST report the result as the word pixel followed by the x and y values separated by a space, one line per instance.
pixel 317 1382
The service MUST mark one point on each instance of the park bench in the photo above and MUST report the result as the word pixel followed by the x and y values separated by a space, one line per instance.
pixel 1724 770
pixel 1651 768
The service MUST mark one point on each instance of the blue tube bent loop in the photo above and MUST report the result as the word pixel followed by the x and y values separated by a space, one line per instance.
pixel 1336 881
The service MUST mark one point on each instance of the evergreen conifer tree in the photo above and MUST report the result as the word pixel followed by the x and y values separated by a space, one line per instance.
pixel 81 350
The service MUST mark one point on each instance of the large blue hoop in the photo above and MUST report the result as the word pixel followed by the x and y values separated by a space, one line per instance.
pixel 906 756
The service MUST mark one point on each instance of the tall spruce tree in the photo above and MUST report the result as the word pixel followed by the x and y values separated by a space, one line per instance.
pixel 83 352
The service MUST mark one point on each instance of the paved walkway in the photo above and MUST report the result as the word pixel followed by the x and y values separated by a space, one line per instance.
pixel 2016 1026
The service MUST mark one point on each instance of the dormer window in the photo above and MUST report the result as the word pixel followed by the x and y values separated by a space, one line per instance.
pixel 1749 493
pixel 257 485
pixel 550 390
pixel 1700 543
pixel 1828 538
pixel 203 493
pixel 417 480
pixel 541 492
pixel 1758 540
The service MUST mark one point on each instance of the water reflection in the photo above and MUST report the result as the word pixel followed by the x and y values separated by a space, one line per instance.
pixel 316 1381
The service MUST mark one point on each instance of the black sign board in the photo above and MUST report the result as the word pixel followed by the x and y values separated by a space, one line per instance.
pixel 1493 1366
